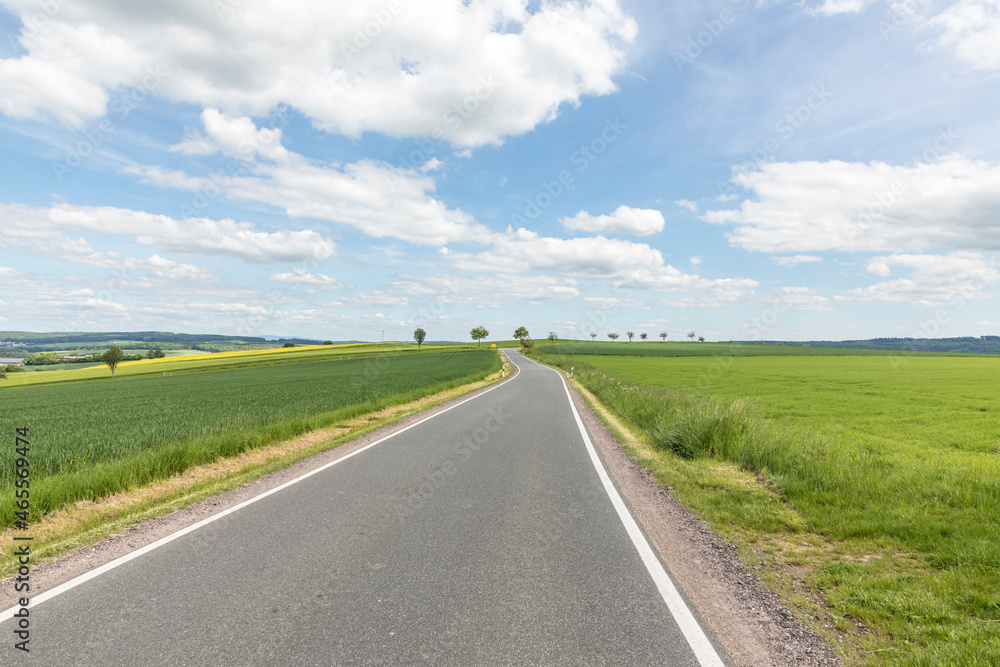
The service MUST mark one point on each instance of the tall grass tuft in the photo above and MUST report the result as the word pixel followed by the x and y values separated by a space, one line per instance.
pixel 695 426
pixel 710 428
pixel 688 425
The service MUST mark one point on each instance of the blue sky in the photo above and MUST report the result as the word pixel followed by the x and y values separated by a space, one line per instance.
pixel 822 169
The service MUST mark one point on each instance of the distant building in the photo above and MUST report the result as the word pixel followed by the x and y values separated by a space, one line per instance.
pixel 16 362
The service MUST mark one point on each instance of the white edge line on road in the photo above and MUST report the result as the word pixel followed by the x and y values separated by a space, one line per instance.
pixel 693 632
pixel 107 567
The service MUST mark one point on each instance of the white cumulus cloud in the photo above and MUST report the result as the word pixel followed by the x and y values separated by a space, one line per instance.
pixel 489 289
pixel 795 260
pixel 800 298
pixel 467 71
pixel 41 228
pixel 971 28
pixel 951 202
pixel 378 199
pixel 626 264
pixel 300 276
pixel 706 293
pixel 933 280
pixel 624 220
pixel 834 7
pixel 522 250
pixel 236 137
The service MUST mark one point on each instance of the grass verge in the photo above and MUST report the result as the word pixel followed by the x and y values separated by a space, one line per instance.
pixel 892 564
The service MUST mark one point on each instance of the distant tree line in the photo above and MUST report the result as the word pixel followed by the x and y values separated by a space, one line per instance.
pixel 967 344
pixel 10 368
pixel 30 338
pixel 52 358
pixel 24 344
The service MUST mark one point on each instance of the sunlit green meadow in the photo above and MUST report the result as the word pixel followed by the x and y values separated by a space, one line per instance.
pixel 877 480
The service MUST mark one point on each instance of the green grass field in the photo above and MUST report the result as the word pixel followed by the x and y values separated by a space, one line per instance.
pixel 90 439
pixel 200 362
pixel 878 476
pixel 926 404
pixel 689 349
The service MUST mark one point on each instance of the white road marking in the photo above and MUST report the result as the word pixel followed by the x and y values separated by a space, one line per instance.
pixel 107 567
pixel 693 632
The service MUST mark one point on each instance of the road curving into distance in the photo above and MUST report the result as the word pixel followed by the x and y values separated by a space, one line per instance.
pixel 486 534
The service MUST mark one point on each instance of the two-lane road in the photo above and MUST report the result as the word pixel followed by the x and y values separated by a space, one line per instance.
pixel 487 534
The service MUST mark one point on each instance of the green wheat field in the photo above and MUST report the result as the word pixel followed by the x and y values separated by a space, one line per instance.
pixel 96 437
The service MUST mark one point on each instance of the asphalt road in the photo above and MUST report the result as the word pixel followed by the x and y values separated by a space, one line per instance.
pixel 481 536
